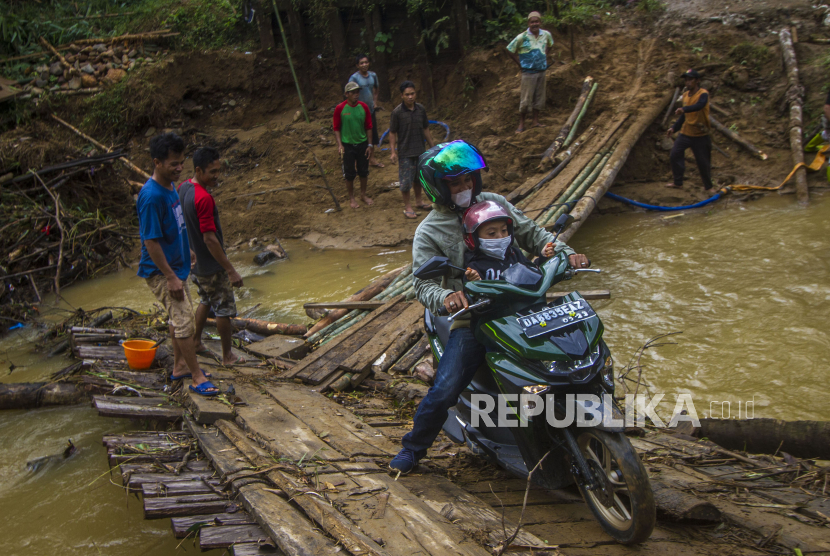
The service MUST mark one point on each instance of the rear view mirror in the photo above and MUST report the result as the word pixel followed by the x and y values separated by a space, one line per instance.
pixel 562 223
pixel 435 267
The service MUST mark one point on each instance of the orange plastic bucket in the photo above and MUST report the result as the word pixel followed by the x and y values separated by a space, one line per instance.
pixel 140 353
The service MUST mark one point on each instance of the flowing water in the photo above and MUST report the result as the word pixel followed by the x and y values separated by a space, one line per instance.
pixel 71 507
pixel 746 284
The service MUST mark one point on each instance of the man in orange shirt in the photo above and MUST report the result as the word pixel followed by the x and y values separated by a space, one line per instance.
pixel 695 133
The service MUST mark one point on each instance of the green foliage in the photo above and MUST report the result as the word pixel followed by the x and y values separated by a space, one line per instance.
pixel 383 42
pixel 437 34
pixel 201 23
pixel 750 55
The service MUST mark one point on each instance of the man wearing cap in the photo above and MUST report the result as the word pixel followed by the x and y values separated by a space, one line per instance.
pixel 695 133
pixel 530 52
pixel 352 119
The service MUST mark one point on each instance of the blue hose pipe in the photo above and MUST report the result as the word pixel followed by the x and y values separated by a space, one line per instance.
pixel 711 199
pixel 442 124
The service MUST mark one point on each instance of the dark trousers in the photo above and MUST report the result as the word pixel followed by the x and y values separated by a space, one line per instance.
pixel 462 357
pixel 701 148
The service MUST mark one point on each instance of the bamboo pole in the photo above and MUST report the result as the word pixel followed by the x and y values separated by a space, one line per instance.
pixel 606 178
pixel 577 180
pixel 795 94
pixel 586 104
pixel 54 52
pixel 547 157
pixel 125 161
pixel 290 63
pixel 580 189
pixel 738 139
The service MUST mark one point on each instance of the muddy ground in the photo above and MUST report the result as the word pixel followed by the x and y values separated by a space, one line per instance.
pixel 248 107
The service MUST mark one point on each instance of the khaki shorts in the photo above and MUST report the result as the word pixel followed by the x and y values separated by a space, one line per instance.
pixel 179 313
pixel 532 92
pixel 216 292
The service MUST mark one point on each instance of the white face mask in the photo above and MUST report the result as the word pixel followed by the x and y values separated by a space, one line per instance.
pixel 462 199
pixel 495 248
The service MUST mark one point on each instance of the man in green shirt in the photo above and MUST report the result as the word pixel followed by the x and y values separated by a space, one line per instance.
pixel 352 119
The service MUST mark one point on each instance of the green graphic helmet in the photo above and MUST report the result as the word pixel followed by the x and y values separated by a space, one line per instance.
pixel 449 160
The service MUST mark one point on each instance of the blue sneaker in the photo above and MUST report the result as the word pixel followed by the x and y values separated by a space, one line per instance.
pixel 404 462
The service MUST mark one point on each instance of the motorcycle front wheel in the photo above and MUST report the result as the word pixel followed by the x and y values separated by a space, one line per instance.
pixel 623 502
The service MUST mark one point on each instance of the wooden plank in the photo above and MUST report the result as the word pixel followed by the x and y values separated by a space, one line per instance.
pixel 347 347
pixel 336 425
pixel 407 522
pixel 466 510
pixel 138 479
pixel 363 305
pixel 279 431
pixel 292 532
pixel 405 363
pixel 223 455
pixel 587 294
pixel 318 509
pixel 138 437
pixel 178 488
pixel 279 346
pixel 225 536
pixel 180 506
pixel 136 408
pixel 114 353
pixel 361 361
pixel 253 549
pixel 192 465
pixel 180 525
pixel 207 411
pixel 320 353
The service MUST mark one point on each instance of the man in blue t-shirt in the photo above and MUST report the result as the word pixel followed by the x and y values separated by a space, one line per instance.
pixel 165 256
pixel 368 81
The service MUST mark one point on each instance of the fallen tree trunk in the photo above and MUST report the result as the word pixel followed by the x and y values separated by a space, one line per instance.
pixel 682 506
pixel 365 294
pixel 609 173
pixel 755 151
pixel 29 395
pixel 265 327
pixel 398 348
pixel 795 96
pixel 547 157
pixel 803 439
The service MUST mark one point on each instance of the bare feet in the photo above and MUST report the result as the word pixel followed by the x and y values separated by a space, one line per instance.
pixel 368 200
pixel 354 204
pixel 233 360
pixel 537 124
pixel 520 130
pixel 673 186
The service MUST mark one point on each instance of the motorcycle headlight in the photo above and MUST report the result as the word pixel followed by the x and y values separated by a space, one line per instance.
pixel 579 366
pixel 537 389
pixel 608 372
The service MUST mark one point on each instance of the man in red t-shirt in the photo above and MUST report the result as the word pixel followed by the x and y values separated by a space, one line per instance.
pixel 352 119
pixel 214 275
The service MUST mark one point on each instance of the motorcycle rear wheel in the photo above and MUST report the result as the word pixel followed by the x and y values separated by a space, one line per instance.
pixel 624 502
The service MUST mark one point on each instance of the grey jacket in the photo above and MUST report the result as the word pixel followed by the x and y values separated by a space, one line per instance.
pixel 442 234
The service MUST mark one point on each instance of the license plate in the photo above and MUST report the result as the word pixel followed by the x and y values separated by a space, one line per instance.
pixel 556 317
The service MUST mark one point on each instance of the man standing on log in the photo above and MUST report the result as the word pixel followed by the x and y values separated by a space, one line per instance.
pixel 352 119
pixel 369 87
pixel 530 52
pixel 408 128
pixel 695 133
pixel 214 275
pixel 165 256
pixel 451 176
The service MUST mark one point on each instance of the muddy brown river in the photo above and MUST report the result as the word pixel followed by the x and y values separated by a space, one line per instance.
pixel 746 284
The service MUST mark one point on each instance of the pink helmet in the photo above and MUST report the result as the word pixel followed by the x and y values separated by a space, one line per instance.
pixel 477 215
